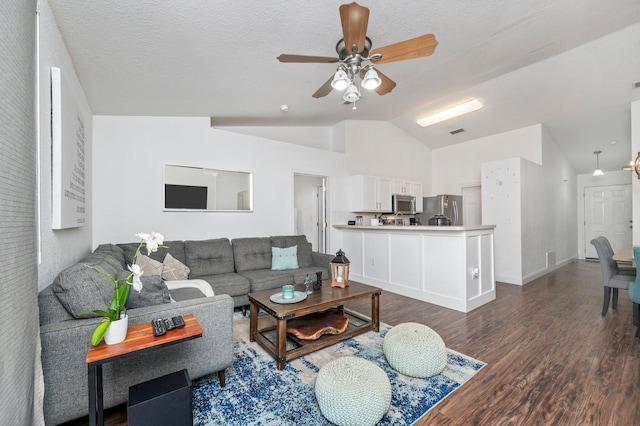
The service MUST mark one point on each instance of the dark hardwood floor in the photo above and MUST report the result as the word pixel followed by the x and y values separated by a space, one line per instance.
pixel 552 358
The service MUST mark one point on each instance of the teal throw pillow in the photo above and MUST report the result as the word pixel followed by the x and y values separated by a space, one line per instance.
pixel 284 258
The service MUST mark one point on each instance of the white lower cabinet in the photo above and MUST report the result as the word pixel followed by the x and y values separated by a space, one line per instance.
pixel 376 256
pixel 448 266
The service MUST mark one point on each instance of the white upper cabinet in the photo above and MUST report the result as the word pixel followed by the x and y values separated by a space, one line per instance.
pixel 370 194
pixel 373 193
pixel 401 187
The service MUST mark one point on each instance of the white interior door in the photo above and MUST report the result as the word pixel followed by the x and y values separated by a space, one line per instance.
pixel 310 207
pixel 607 212
pixel 471 206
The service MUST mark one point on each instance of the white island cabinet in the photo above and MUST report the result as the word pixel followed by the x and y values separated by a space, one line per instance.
pixel 450 266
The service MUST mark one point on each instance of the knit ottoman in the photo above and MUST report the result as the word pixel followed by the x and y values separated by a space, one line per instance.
pixel 353 391
pixel 415 350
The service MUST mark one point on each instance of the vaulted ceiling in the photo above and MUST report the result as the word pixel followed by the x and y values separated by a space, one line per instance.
pixel 571 65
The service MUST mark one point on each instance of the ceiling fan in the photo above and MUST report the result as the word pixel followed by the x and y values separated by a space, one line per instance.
pixel 355 56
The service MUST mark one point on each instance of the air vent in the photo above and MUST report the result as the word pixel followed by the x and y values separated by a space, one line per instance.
pixel 453 132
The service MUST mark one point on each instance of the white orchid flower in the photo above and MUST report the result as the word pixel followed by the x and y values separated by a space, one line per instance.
pixel 151 241
pixel 137 273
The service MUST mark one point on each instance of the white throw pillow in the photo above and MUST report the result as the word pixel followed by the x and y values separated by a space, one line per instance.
pixel 174 269
pixel 149 266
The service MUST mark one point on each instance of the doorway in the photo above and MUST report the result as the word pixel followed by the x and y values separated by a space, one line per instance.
pixel 607 212
pixel 310 209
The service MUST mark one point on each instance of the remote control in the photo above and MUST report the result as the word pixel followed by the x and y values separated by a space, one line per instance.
pixel 168 323
pixel 178 321
pixel 158 327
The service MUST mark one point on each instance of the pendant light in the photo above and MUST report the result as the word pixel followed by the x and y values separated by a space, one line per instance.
pixel 598 171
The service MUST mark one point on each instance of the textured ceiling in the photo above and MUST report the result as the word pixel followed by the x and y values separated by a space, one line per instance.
pixel 568 64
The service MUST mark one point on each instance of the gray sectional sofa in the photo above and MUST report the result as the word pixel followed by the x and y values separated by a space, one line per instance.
pixel 232 269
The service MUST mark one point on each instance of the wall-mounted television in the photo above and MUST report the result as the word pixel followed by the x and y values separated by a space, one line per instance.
pixel 185 197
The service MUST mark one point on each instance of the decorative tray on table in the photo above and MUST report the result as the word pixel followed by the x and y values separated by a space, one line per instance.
pixel 298 296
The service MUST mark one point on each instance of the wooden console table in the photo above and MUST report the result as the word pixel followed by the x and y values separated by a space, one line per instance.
pixel 273 339
pixel 139 339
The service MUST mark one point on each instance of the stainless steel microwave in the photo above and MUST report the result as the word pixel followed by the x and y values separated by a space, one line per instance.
pixel 405 204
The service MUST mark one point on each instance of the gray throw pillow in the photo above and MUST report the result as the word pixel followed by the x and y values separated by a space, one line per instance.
pixel 154 292
pixel 79 288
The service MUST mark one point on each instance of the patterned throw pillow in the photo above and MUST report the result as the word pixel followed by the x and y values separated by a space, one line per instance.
pixel 174 269
pixel 149 266
pixel 284 258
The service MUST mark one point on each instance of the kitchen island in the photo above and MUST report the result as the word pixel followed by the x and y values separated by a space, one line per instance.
pixel 450 266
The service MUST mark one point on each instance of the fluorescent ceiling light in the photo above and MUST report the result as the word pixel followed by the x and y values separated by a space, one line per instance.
pixel 472 105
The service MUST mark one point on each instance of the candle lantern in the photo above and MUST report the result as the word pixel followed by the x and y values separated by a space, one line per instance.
pixel 340 270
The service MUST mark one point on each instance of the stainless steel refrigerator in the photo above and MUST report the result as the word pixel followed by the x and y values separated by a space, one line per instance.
pixel 448 205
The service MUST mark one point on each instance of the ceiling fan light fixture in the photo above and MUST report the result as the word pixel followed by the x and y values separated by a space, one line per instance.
pixel 458 110
pixel 634 165
pixel 352 94
pixel 371 80
pixel 340 80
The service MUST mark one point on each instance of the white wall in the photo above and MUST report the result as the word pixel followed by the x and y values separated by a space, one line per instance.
pixel 59 248
pixel 311 136
pixel 534 209
pixel 128 156
pixel 379 148
pixel 458 165
pixel 502 206
pixel 556 197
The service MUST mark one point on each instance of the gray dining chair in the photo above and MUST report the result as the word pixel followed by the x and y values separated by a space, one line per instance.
pixel 634 293
pixel 612 277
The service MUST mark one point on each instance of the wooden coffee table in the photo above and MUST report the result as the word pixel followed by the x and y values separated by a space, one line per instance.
pixel 274 338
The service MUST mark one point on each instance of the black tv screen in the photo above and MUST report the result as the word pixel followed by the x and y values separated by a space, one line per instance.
pixel 185 197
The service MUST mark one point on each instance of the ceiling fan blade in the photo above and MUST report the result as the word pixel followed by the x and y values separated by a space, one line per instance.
pixel 409 49
pixel 386 85
pixel 324 90
pixel 307 59
pixel 355 19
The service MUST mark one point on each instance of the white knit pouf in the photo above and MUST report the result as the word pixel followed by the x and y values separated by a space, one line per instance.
pixel 353 391
pixel 415 350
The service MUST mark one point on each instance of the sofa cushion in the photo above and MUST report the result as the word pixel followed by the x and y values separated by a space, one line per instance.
pixel 250 254
pixel 265 279
pixel 283 259
pixel 51 310
pixel 149 266
pixel 79 288
pixel 232 284
pixel 208 257
pixel 173 269
pixel 176 248
pixel 304 247
pixel 112 254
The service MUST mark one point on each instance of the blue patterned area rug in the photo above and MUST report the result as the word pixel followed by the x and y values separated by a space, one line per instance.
pixel 258 394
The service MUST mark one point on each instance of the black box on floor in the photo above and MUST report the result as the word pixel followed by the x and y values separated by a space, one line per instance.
pixel 162 401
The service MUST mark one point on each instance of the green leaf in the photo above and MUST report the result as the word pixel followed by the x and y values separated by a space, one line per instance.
pixel 98 332
pixel 96 311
